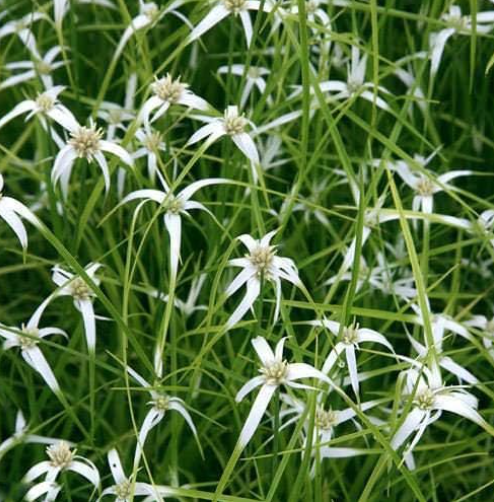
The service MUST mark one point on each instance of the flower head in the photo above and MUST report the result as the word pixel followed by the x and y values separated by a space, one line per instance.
pixel 86 141
pixel 232 124
pixel 351 337
pixel 72 285
pixel 225 8
pixel 174 206
pixel 168 91
pixel 430 398
pixel 27 339
pixel 60 455
pixel 160 404
pixel 275 372
pixel 260 263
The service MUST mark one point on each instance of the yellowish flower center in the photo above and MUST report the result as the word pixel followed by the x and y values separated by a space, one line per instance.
pixel 325 420
pixel 115 116
pixel 353 86
pixel 42 68
pixel 28 342
pixel 151 10
pixel 60 455
pixel 80 290
pixel 234 6
pixel 123 490
pixel 459 23
pixel 168 89
pixel 311 7
pixel 350 334
pixel 44 102
pixel 234 123
pixel 162 403
pixel 254 72
pixel 175 206
pixel 425 400
pixel 152 141
pixel 275 373
pixel 425 187
pixel 262 258
pixel 85 141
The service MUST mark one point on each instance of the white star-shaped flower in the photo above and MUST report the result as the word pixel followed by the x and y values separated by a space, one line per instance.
pixel 160 403
pixel 72 285
pixel 260 262
pixel 275 372
pixel 225 8
pixel 27 338
pixel 45 105
pixel 62 458
pixel 231 124
pixel 351 337
pixel 41 67
pixel 86 143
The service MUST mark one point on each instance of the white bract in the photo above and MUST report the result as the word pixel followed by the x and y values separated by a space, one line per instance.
pixel 355 85
pixel 70 284
pixel 373 217
pixel 27 338
pixel 41 67
pixel 407 76
pixel 125 488
pixel 444 362
pixel 323 425
pixel 440 324
pixel 175 206
pixel 45 105
pixel 50 489
pixel 430 398
pixel 22 28
pixel 225 8
pixel 11 211
pixel 316 11
pixel 62 458
pixel 231 124
pixel 484 225
pixel 117 115
pixel 275 372
pixel 426 184
pixel 61 8
pixel 152 145
pixel 160 404
pixel 325 419
pixel 381 277
pixel 458 24
pixel 167 92
pixel 86 143
pixel 189 306
pixel 351 337
pixel 270 150
pixel 22 435
pixel 149 15
pixel 261 263
pixel 313 205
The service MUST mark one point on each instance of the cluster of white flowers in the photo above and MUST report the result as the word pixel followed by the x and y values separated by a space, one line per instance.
pixel 139 148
